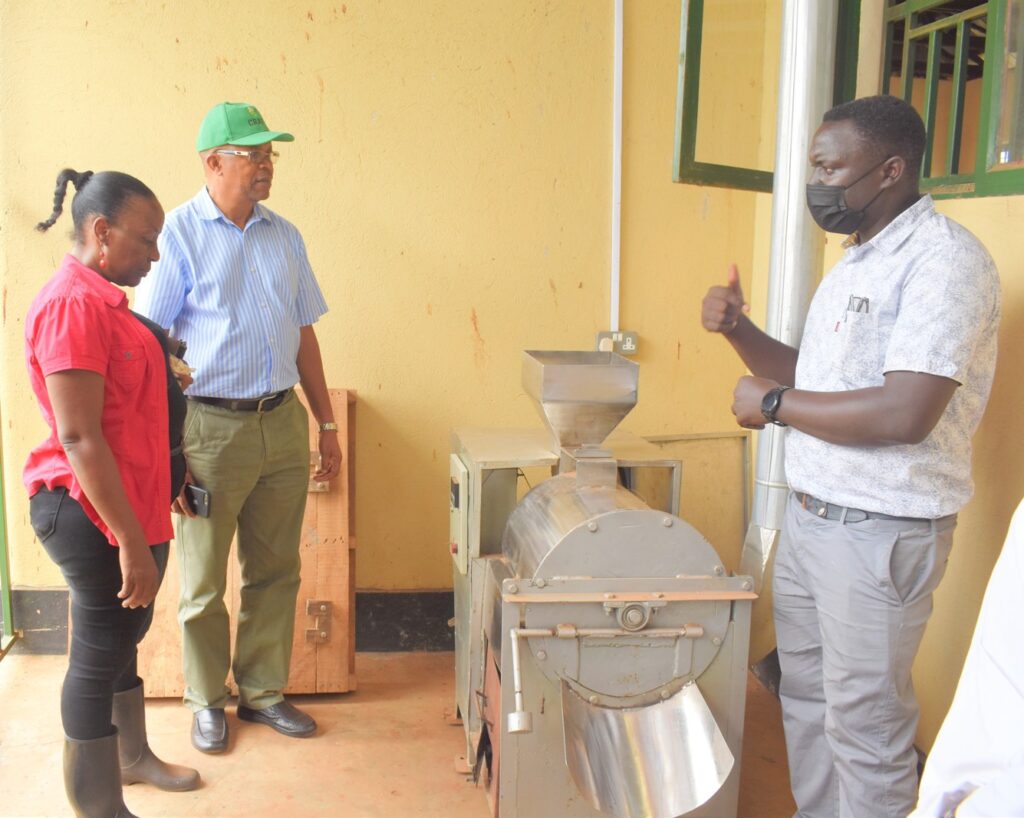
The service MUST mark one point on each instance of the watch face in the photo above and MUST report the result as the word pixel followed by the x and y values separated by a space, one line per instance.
pixel 770 404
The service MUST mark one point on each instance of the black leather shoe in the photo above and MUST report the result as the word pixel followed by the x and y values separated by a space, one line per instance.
pixel 283 717
pixel 210 730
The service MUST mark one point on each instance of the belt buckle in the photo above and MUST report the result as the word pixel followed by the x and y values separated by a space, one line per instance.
pixel 261 401
pixel 819 508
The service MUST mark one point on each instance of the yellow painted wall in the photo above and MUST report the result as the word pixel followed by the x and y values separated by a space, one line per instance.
pixel 452 178
pixel 677 239
pixel 998 469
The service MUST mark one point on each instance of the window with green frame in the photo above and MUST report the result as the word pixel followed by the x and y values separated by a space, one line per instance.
pixel 728 73
pixel 958 62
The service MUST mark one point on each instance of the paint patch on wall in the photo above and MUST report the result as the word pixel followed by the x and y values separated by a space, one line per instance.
pixel 479 345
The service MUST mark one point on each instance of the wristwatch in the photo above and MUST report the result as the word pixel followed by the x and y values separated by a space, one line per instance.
pixel 330 426
pixel 771 403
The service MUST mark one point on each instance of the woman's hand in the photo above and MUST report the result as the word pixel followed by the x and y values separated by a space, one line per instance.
pixel 140 578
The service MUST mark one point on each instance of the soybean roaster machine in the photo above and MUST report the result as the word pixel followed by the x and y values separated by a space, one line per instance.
pixel 601 644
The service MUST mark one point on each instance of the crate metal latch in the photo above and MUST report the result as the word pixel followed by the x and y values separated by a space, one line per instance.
pixel 320 610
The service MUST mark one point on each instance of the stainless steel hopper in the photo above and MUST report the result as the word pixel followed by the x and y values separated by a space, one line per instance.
pixel 582 396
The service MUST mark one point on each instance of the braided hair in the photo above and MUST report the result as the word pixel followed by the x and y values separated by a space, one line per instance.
pixel 96 194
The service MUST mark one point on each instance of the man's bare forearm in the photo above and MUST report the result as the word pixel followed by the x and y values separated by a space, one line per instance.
pixel 763 355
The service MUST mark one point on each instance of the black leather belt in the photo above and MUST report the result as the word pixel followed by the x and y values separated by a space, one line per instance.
pixel 264 404
pixel 830 511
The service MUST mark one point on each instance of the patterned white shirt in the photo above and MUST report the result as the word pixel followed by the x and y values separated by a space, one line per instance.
pixel 921 296
pixel 237 297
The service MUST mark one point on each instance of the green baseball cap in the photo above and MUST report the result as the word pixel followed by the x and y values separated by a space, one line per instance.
pixel 236 123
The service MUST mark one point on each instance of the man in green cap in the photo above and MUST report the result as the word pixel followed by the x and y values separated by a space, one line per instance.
pixel 234 282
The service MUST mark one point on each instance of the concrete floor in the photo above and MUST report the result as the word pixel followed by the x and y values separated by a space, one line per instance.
pixel 382 752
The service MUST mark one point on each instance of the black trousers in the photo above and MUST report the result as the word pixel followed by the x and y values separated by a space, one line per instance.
pixel 104 636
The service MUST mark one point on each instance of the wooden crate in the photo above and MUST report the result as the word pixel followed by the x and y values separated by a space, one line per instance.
pixel 328 575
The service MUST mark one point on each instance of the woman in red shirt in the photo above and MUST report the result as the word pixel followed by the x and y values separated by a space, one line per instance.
pixel 100 484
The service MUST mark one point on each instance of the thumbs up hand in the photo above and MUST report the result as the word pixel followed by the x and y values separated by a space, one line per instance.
pixel 723 306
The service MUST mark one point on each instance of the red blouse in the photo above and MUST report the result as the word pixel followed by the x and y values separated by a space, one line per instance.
pixel 81 321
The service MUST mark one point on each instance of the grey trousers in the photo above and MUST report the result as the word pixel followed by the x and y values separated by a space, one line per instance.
pixel 851 604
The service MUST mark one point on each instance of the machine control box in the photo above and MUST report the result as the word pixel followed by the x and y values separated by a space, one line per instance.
pixel 458 513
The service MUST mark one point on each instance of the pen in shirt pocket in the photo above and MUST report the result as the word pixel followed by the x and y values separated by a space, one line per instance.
pixel 857 303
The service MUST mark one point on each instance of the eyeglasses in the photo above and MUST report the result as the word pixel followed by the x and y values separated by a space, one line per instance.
pixel 256 157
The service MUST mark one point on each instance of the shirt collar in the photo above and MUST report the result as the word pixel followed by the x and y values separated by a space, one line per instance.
pixel 897 231
pixel 93 281
pixel 207 209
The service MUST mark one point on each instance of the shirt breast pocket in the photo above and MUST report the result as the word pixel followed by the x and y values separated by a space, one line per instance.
pixel 127 365
pixel 856 359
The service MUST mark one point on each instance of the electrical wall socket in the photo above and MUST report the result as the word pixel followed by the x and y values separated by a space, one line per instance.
pixel 624 343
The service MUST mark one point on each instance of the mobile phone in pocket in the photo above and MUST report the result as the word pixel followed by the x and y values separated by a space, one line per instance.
pixel 198 499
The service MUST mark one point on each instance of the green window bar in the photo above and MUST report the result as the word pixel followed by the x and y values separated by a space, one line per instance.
pixel 930 96
pixel 959 88
pixel 931 33
pixel 8 636
pixel 957 63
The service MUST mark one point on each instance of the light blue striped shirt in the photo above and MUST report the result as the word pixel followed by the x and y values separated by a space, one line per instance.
pixel 236 297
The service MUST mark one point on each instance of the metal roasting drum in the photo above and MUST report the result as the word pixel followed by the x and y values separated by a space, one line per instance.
pixel 633 753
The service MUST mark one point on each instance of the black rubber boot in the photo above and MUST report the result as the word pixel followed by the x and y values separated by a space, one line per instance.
pixel 138 763
pixel 92 778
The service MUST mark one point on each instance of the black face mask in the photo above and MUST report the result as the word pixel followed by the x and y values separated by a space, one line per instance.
pixel 828 207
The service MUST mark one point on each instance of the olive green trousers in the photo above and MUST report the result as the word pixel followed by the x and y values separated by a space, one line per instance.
pixel 256 467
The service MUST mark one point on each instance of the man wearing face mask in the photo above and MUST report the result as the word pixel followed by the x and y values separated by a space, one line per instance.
pixel 881 400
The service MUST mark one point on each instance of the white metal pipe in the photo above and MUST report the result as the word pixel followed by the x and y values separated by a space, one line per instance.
pixel 616 242
pixel 806 65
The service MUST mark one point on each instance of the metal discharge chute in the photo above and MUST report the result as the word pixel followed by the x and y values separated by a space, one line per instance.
pixel 601 645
